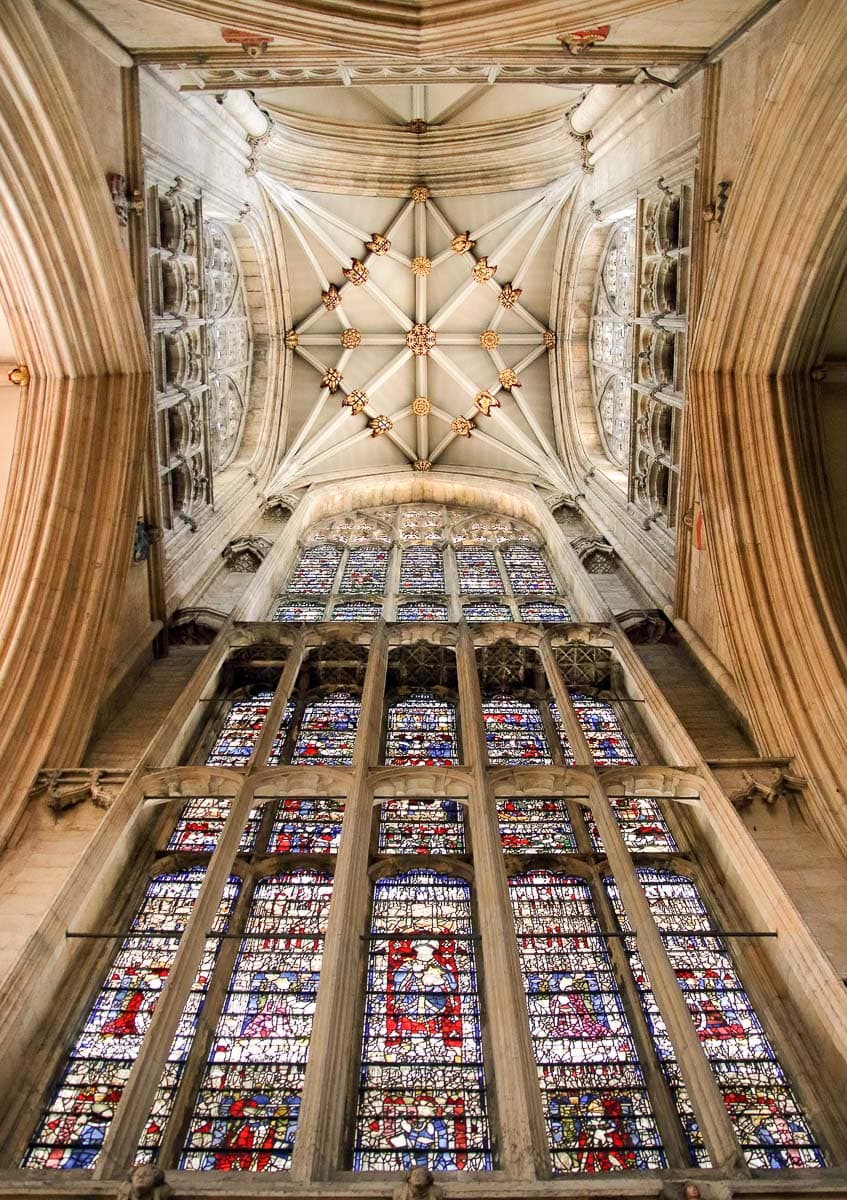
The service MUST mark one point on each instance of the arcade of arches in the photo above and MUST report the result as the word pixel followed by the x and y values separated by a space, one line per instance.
pixel 422 593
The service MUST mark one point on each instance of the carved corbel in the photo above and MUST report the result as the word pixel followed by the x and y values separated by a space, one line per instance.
pixel 279 506
pixel 784 787
pixel 246 554
pixel 145 1182
pixel 596 555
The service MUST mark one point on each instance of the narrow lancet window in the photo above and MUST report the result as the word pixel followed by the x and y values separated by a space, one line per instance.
pixel 315 571
pixel 527 570
pixel 422 570
pixel 366 570
pixel 514 732
pixel 478 573
pixel 306 825
pixel 546 611
pixel 327 732
pixel 410 825
pixel 422 610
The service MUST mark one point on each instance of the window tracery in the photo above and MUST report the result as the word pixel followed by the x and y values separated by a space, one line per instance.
pixel 611 341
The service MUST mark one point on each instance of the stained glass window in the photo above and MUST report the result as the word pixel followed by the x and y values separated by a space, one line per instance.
pixel 527 570
pixel 240 732
pixel 421 826
pixel 275 756
pixel 421 732
pixel 307 825
pixel 484 611
pixel 356 610
pixel 245 1117
pixel 289 609
pixel 541 611
pixel 598 1112
pixel 478 572
pixel 611 341
pixel 201 823
pixel 644 829
pixel 328 731
pixel 366 569
pixel 514 733
pixel 535 825
pixel 422 569
pixel 769 1123
pixel 422 1089
pixel 422 610
pixel 72 1131
pixel 316 570
pixel 602 728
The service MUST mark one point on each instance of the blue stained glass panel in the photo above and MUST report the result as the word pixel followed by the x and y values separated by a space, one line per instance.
pixel 245 1116
pixel 603 730
pixel 540 610
pixel 327 732
pixel 432 825
pixel 421 732
pixel 422 570
pixel 356 610
pixel 307 825
pixel 240 731
pixel 315 571
pixel 514 733
pixel 422 610
pixel 478 572
pixel 535 825
pixel 486 611
pixel 290 609
pixel 366 570
pixel 527 569
pixel 422 1088
pixel 643 827
pixel 599 1116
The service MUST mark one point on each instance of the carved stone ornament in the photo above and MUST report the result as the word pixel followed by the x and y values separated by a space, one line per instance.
pixel 489 339
pixel 418 125
pixel 350 339
pixel 66 789
pixel 421 339
pixel 419 1185
pixel 420 193
pixel 421 464
pixel 583 39
pixel 331 379
pixel 19 375
pixel 357 401
pixel 462 243
pixel 253 44
pixel 549 338
pixel 596 555
pixel 331 298
pixel 484 402
pixel 292 340
pixel 421 406
pixel 645 626
pixel 279 506
pixel 509 296
pixel 380 425
pixel 246 554
pixel 462 427
pixel 421 266
pixel 379 244
pixel 356 273
pixel 118 192
pixel 145 1182
pixel 509 378
pixel 561 500
pixel 784 787
pixel 482 272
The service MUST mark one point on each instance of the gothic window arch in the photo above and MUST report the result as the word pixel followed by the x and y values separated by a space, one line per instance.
pixel 610 345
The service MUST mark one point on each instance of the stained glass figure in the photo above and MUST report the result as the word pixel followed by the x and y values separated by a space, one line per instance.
pixel 306 825
pixel 245 1116
pixel 527 570
pixel 422 1089
pixel 366 570
pixel 315 571
pixel 422 570
pixel 421 732
pixel 483 610
pixel 356 610
pixel 422 610
pixel 535 825
pixel 201 823
pixel 478 574
pixel 769 1123
pixel 275 756
pixel 72 1131
pixel 290 609
pixel 541 610
pixel 603 730
pixel 644 829
pixel 240 731
pixel 327 732
pixel 433 825
pixel 514 733
pixel 598 1112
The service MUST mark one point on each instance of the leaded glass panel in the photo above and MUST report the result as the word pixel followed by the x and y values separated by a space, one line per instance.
pixel 527 570
pixel 240 732
pixel 422 1088
pixel 306 825
pixel 290 609
pixel 422 569
pixel 598 1112
pixel 535 825
pixel 432 825
pixel 544 611
pixel 327 732
pixel 245 1116
pixel 421 732
pixel 478 573
pixel 366 570
pixel 315 571
pixel 603 730
pixel 484 611
pixel 201 824
pixel 514 732
pixel 356 610
pixel 422 610
pixel 642 825
pixel 275 756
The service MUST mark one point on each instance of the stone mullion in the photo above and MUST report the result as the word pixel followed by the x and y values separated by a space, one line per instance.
pixel 451 583
pixel 125 1131
pixel 333 1045
pixel 579 746
pixel 392 583
pixel 509 592
pixel 511 1076
pixel 706 1100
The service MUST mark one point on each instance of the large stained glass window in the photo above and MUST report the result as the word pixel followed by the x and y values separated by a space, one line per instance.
pixel 769 1123
pixel 478 572
pixel 245 1116
pixel 421 732
pixel 409 825
pixel 644 829
pixel 514 732
pixel 366 570
pixel 356 610
pixel 72 1131
pixel 484 610
pixel 535 825
pixel 315 571
pixel 289 609
pixel 540 610
pixel 422 569
pixel 327 732
pixel 422 610
pixel 306 825
pixel 240 731
pixel 598 1112
pixel 611 341
pixel 603 731
pixel 422 1088
pixel 527 570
